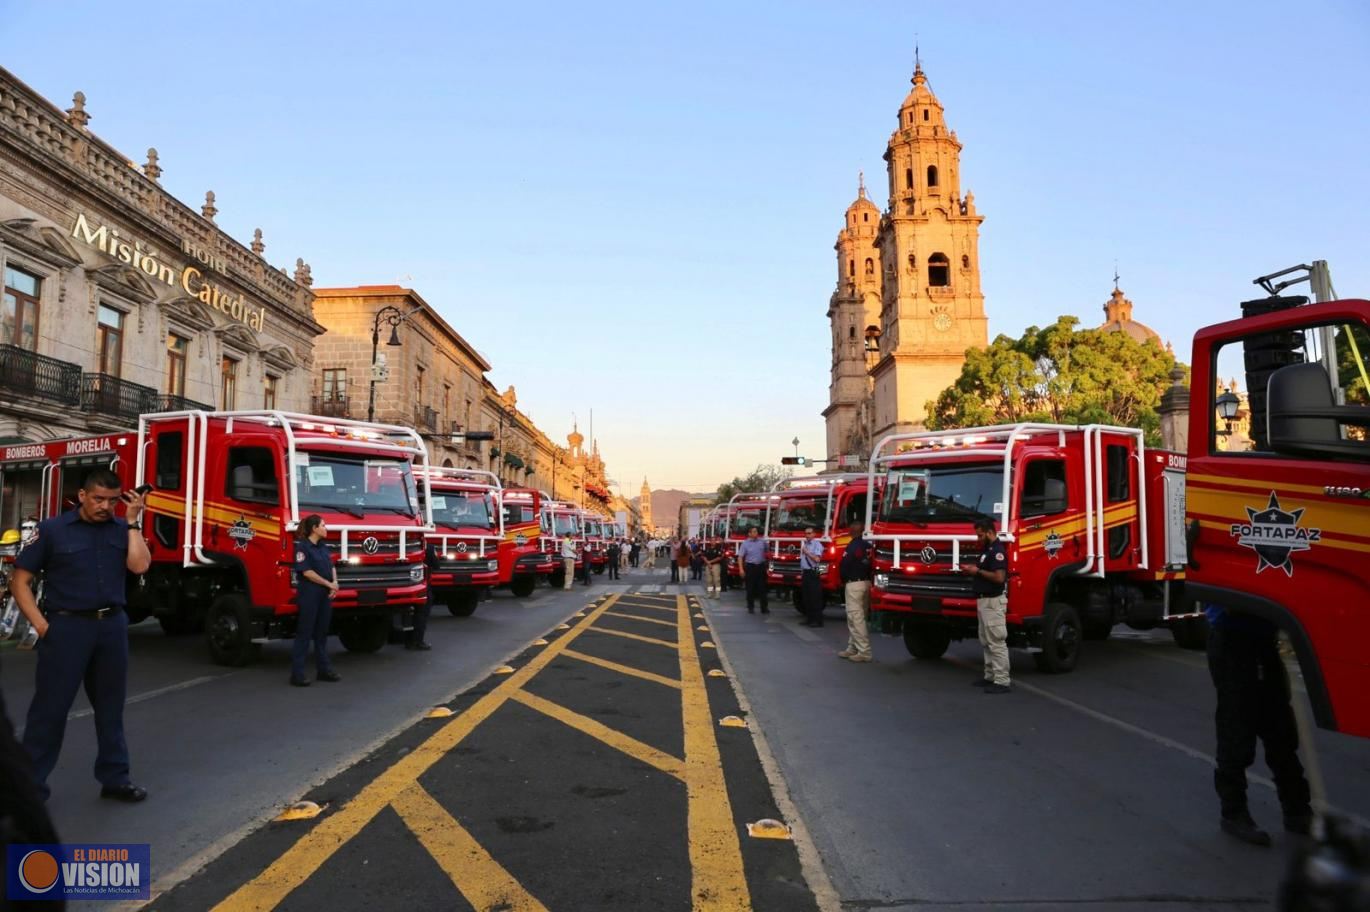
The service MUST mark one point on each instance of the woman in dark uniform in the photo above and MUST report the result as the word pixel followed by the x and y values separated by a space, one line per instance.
pixel 318 583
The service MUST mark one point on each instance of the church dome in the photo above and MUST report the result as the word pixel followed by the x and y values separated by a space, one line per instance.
pixel 1118 318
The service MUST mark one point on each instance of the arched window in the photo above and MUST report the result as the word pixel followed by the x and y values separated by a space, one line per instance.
pixel 965 261
pixel 925 114
pixel 932 175
pixel 908 178
pixel 938 276
pixel 851 267
pixel 870 266
pixel 913 262
pixel 865 216
pixel 851 332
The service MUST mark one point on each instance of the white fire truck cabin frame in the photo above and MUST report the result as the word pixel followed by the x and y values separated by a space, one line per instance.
pixel 474 479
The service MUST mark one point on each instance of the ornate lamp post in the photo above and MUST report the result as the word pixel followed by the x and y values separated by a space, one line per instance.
pixel 392 317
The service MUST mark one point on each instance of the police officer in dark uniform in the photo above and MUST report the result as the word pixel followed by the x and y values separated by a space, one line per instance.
pixel 615 555
pixel 1253 702
pixel 84 556
pixel 316 586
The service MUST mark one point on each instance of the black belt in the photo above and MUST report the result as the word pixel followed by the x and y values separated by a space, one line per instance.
pixel 97 614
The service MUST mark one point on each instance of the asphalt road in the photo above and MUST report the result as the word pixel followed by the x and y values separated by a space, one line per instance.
pixel 1088 791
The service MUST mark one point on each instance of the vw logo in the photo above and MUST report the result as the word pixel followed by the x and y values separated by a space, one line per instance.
pixel 461 547
pixel 371 544
pixel 928 554
pixel 792 549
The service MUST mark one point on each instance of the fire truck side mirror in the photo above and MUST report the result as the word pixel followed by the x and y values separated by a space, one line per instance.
pixel 1303 418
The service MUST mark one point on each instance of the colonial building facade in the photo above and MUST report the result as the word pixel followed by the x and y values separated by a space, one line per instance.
pixel 120 300
pixel 908 303
pixel 434 380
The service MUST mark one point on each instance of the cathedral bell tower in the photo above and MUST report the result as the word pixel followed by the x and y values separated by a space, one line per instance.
pixel 931 309
pixel 853 311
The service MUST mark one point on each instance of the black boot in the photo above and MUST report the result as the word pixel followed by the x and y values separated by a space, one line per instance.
pixel 1245 829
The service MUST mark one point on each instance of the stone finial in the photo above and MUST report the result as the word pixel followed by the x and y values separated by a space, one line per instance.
pixel 970 203
pixel 76 114
pixel 209 210
pixel 302 273
pixel 1170 350
pixel 150 167
pixel 257 245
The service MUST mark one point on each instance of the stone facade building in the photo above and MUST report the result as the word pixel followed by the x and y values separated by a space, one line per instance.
pixel 434 381
pixel 908 302
pixel 120 299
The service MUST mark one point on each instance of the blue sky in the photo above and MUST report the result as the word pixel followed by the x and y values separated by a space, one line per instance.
pixel 631 207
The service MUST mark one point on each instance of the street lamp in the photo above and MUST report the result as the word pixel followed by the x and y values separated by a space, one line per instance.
pixel 795 441
pixel 392 317
pixel 1227 410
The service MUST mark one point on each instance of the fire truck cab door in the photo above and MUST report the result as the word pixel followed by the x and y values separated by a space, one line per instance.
pixel 1120 468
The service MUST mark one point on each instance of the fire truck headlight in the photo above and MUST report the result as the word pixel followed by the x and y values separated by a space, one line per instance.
pixel 882 580
pixel 416 573
pixel 823 568
pixel 354 560
pixel 770 566
pixel 492 566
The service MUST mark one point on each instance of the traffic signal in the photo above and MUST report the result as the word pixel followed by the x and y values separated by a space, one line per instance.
pixel 794 460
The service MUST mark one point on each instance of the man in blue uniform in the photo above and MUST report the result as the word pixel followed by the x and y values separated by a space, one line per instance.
pixel 810 583
pixel 990 574
pixel 1253 702
pixel 317 584
pixel 751 554
pixel 84 556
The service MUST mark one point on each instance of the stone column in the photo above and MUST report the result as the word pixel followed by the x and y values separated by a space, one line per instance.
pixel 1174 412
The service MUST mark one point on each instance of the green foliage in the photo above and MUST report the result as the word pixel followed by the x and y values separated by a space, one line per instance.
pixel 1059 375
pixel 761 479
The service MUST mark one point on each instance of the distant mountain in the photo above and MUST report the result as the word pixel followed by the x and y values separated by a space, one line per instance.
pixel 666 506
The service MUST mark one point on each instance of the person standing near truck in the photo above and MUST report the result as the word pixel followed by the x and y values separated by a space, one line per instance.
pixel 990 574
pixel 316 586
pixel 84 555
pixel 751 554
pixel 568 561
pixel 810 583
pixel 1253 702
pixel 856 593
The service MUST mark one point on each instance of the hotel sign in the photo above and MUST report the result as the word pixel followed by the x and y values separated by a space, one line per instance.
pixel 141 257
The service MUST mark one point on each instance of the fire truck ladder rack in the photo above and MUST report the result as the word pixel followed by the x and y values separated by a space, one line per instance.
pixel 998 442
pixel 475 477
pixel 342 433
pixel 809 484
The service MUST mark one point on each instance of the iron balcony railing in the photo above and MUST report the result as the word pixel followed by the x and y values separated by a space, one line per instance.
pixel 330 406
pixel 26 373
pixel 170 403
pixel 426 417
pixel 109 395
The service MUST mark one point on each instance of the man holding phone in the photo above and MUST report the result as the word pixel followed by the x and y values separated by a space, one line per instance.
pixel 84 555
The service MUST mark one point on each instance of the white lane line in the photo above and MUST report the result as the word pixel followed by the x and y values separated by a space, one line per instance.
pixel 1162 740
pixel 160 691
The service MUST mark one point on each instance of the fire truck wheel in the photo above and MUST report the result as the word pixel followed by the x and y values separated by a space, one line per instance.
pixel 1061 636
pixel 522 586
pixel 228 631
pixel 1190 633
pixel 598 571
pixel 364 634
pixel 557 580
pixel 463 604
pixel 926 641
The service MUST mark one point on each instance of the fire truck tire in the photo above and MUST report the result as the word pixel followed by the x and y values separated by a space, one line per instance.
pixel 1190 633
pixel 1061 636
pixel 926 641
pixel 364 634
pixel 463 604
pixel 598 571
pixel 228 631
pixel 557 579
pixel 522 586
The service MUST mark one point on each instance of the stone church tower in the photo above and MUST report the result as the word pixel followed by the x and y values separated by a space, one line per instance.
pixel 931 306
pixel 645 506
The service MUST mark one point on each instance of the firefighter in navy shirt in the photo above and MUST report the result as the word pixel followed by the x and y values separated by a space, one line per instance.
pixel 84 556
pixel 316 586
pixel 990 574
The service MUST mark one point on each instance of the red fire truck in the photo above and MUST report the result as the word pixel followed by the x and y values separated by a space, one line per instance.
pixel 595 540
pixel 470 550
pixel 229 490
pixel 560 519
pixel 1277 528
pixel 1094 523
pixel 828 503
pixel 522 511
pixel 737 516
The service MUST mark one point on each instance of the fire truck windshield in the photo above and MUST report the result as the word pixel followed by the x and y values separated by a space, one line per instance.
pixel 592 528
pixel 923 494
pixel 565 523
pixel 356 485
pixel 748 518
pixel 795 514
pixel 465 509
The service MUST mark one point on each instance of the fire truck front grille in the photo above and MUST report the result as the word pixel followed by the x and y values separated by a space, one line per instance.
pixel 934 585
pixel 355 546
pixel 788 569
pixel 381 576
pixel 466 566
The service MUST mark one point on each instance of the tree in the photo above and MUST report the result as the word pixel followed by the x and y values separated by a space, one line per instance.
pixel 762 479
pixel 1059 375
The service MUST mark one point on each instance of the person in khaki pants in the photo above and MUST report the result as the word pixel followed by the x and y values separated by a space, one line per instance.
pixel 856 591
pixel 568 560
pixel 990 574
